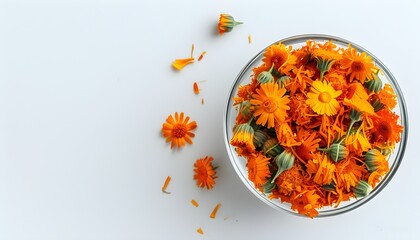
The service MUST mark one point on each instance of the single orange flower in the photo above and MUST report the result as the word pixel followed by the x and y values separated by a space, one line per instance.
pixel 258 170
pixel 357 66
pixel 388 97
pixel 226 23
pixel 277 55
pixel 178 130
pixel 290 180
pixel 306 203
pixel 243 137
pixel 386 128
pixel 205 172
pixel 270 104
pixel 348 173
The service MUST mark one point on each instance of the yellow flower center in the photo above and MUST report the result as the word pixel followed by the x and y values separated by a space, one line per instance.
pixel 270 105
pixel 179 130
pixel 324 97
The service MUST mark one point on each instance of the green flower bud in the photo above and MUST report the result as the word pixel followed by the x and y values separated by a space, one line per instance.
pixel 284 161
pixel 283 80
pixel 259 138
pixel 269 186
pixel 355 115
pixel 376 103
pixel 245 108
pixel 272 148
pixel 265 77
pixel 362 189
pixel 337 152
pixel 374 85
pixel 323 66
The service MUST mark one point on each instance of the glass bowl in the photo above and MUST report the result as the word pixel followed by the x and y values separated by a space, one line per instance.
pixel 239 163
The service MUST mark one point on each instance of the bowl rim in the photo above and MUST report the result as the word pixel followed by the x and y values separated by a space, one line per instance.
pixel 401 145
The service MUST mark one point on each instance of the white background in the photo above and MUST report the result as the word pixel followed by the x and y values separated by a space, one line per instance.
pixel 86 85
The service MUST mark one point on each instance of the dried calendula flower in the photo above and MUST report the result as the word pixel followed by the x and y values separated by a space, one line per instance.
pixel 226 23
pixel 178 130
pixel 205 172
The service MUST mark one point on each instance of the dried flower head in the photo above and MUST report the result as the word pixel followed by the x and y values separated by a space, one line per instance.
pixel 178 130
pixel 205 172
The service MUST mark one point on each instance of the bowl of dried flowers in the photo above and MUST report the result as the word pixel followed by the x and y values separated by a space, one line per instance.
pixel 315 125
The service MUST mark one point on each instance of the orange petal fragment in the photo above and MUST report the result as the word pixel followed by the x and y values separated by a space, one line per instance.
pixel 195 203
pixel 249 39
pixel 200 231
pixel 179 64
pixel 201 55
pixel 196 90
pixel 213 214
pixel 165 185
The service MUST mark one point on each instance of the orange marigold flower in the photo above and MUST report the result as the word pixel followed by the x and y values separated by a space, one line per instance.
pixel 277 55
pixel 348 173
pixel 388 97
pixel 376 161
pixel 205 172
pixel 243 137
pixel 226 23
pixel 357 66
pixel 270 104
pixel 322 169
pixel 258 170
pixel 290 180
pixel 179 64
pixel 178 130
pixel 386 128
pixel 322 98
pixel 306 203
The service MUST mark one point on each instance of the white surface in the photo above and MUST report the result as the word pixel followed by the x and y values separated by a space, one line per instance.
pixel 86 85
